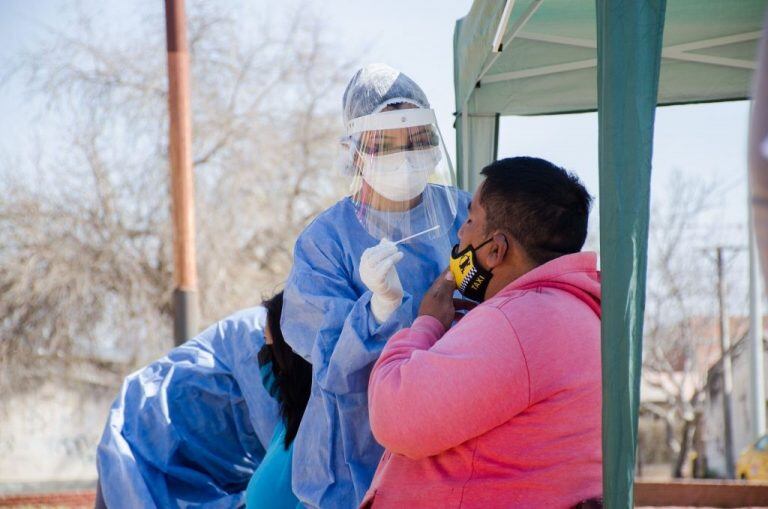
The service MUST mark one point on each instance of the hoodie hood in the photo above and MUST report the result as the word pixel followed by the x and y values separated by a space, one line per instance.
pixel 575 273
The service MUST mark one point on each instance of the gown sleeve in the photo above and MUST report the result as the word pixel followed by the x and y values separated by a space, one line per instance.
pixel 191 427
pixel 328 322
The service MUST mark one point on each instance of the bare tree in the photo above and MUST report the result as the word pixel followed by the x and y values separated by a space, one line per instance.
pixel 85 257
pixel 679 343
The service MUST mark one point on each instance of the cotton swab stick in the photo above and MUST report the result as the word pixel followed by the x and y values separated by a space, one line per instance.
pixel 418 234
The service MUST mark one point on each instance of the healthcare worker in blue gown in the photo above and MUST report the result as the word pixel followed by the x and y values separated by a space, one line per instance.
pixel 360 270
pixel 190 429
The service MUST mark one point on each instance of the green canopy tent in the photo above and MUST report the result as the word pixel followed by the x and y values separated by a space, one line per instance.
pixel 621 58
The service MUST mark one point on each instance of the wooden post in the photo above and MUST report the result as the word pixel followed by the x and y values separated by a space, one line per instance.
pixel 182 182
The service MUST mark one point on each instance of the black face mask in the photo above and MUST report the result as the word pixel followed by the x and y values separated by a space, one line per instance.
pixel 471 279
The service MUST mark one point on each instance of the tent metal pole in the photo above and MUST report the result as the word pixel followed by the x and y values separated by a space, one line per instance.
pixel 678 52
pixel 465 146
pixel 498 38
pixel 519 24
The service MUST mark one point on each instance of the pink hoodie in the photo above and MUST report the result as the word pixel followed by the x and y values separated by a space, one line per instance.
pixel 502 410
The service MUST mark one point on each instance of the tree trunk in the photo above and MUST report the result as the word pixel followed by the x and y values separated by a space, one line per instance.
pixel 700 463
pixel 682 455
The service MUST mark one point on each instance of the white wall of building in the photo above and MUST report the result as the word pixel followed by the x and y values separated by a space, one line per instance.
pixel 741 418
pixel 51 434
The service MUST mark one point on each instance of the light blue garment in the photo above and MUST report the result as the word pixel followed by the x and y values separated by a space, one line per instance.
pixel 190 429
pixel 270 486
pixel 327 320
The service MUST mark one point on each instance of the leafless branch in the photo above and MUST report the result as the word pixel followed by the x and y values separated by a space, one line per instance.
pixel 85 261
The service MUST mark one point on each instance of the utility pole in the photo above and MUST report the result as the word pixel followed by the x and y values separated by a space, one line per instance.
pixel 727 367
pixel 182 183
pixel 756 366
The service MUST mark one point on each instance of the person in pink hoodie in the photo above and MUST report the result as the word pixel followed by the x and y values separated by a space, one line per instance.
pixel 502 408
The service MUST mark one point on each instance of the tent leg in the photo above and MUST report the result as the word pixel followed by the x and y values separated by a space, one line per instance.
pixel 629 42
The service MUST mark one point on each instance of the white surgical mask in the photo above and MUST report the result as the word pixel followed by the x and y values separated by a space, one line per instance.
pixel 401 176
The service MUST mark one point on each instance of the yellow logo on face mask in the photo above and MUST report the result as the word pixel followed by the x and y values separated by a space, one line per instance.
pixel 471 279
pixel 460 268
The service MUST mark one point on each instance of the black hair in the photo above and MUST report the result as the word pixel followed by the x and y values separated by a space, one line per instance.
pixel 543 206
pixel 293 373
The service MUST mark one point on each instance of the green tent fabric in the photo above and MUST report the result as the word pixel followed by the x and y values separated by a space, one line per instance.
pixel 626 91
pixel 548 64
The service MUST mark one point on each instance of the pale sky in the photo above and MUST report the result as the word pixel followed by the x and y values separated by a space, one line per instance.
pixel 416 37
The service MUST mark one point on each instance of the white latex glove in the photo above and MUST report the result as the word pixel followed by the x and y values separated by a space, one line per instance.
pixel 378 273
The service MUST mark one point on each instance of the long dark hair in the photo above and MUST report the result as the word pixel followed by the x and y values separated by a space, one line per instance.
pixel 293 373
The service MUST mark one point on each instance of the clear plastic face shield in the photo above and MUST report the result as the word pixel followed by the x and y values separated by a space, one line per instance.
pixel 402 179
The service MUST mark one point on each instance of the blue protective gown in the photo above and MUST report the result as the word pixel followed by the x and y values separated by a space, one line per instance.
pixel 327 319
pixel 190 429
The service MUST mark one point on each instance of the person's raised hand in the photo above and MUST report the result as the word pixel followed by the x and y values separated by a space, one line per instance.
pixel 438 301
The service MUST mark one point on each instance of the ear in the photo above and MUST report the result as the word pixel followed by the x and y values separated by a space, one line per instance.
pixel 497 251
